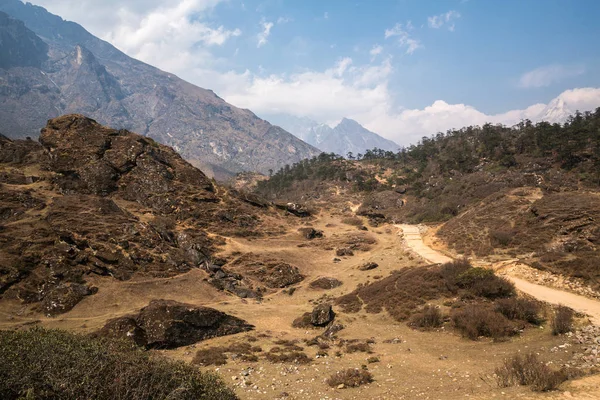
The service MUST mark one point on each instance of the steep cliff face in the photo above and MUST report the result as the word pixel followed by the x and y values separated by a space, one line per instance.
pixel 83 74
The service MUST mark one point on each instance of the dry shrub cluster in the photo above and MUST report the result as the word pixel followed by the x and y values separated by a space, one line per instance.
pixel 218 355
pixel 562 321
pixel 404 291
pixel 476 320
pixel 352 377
pixel 277 355
pixel 428 318
pixel 500 238
pixel 520 309
pixel 53 364
pixel 358 347
pixel 528 370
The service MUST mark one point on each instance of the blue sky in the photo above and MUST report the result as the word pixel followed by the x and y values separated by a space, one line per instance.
pixel 403 68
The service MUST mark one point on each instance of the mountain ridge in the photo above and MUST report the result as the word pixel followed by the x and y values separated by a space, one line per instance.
pixel 348 136
pixel 87 75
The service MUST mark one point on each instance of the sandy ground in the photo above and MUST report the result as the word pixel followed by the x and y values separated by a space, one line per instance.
pixel 412 364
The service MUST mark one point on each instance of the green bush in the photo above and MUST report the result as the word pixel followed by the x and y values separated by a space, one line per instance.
pixel 53 364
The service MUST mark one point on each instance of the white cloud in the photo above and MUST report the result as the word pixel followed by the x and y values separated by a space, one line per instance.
pixel 263 36
pixel 362 93
pixel 376 50
pixel 437 21
pixel 169 37
pixel 284 20
pixel 404 38
pixel 173 36
pixel 547 75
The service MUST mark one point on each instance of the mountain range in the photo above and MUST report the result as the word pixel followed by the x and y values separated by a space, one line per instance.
pixel 346 137
pixel 50 67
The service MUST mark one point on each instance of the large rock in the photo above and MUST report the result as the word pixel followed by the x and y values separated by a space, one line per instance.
pixel 170 324
pixel 322 315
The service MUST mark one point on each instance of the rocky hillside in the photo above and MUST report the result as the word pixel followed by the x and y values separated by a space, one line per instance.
pixel 54 67
pixel 346 137
pixel 91 200
pixel 529 191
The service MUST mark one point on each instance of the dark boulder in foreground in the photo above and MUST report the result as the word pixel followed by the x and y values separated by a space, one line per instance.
pixel 170 324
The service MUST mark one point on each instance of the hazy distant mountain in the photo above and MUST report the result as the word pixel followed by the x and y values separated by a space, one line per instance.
pixel 50 67
pixel 347 136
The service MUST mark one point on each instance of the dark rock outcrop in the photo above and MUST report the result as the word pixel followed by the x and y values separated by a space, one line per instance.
pixel 325 283
pixel 112 203
pixel 170 324
pixel 368 266
pixel 322 315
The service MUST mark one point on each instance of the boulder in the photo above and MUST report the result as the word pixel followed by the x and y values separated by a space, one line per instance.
pixel 310 233
pixel 169 324
pixel 322 315
pixel 368 266
pixel 325 283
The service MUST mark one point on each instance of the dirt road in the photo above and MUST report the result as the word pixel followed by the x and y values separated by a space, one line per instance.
pixel 412 238
pixel 414 241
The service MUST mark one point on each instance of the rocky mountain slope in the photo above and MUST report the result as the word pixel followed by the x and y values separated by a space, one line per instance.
pixel 88 200
pixel 347 137
pixel 50 67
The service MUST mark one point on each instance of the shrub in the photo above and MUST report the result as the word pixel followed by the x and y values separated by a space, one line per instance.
pixel 562 321
pixel 358 347
pixel 484 283
pixel 519 309
pixel 479 320
pixel 295 357
pixel 501 238
pixel 528 370
pixel 60 365
pixel 210 356
pixel 352 377
pixel 428 317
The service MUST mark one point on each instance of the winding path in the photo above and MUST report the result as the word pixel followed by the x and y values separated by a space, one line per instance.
pixel 414 241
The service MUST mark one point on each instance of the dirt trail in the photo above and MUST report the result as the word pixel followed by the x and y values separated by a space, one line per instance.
pixel 414 241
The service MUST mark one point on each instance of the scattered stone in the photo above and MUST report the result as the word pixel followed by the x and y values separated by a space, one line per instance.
pixel 325 283
pixel 368 266
pixel 344 251
pixel 310 233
